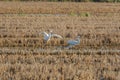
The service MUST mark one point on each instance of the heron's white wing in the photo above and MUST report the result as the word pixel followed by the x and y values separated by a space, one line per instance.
pixel 45 34
pixel 56 35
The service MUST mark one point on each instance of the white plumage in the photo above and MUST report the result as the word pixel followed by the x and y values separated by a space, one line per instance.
pixel 48 36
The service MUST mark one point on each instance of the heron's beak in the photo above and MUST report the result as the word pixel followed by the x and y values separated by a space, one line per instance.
pixel 61 37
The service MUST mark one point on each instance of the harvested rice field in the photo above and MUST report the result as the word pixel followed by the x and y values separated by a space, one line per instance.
pixel 25 56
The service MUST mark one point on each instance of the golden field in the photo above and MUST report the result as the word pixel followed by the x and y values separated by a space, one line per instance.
pixel 57 7
pixel 23 30
pixel 23 57
pixel 59 67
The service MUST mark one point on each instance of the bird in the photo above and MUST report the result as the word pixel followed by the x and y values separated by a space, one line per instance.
pixel 47 36
pixel 72 43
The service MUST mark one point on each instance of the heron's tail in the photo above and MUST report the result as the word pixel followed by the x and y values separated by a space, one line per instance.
pixel 68 47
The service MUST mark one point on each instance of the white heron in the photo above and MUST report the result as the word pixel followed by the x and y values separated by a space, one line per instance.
pixel 72 43
pixel 47 36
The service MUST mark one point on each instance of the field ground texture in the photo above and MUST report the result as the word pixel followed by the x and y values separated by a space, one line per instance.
pixel 23 55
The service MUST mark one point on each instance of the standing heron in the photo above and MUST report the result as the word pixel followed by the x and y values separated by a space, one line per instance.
pixel 72 43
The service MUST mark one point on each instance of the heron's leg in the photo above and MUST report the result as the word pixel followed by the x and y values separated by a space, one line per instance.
pixel 68 47
pixel 45 43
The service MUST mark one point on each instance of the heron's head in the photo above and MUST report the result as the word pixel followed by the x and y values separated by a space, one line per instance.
pixel 51 31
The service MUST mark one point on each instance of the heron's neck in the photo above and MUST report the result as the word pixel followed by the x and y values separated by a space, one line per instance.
pixel 78 39
pixel 50 34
